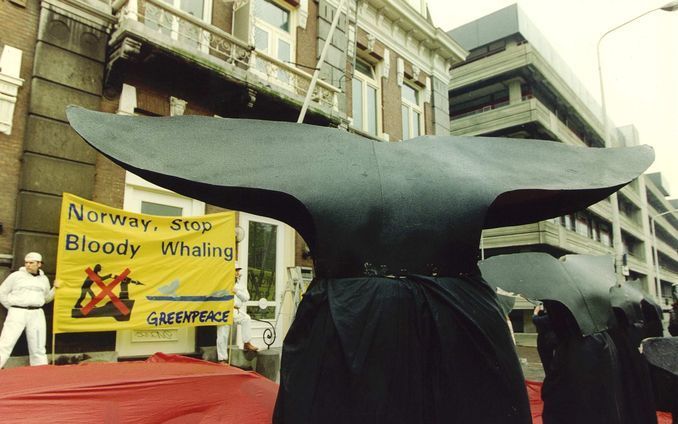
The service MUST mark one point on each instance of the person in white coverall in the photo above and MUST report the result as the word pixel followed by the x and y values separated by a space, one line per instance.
pixel 23 293
pixel 240 318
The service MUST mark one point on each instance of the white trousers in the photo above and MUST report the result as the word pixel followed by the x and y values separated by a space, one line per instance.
pixel 18 320
pixel 245 323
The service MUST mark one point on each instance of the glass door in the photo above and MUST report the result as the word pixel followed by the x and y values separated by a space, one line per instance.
pixel 144 197
pixel 261 256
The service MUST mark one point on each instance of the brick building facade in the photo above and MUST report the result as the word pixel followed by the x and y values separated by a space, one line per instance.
pixel 385 76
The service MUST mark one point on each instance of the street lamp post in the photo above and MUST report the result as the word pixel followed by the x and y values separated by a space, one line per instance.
pixel 658 281
pixel 616 223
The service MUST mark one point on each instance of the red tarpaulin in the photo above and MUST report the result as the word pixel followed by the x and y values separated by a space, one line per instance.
pixel 163 389
pixel 537 406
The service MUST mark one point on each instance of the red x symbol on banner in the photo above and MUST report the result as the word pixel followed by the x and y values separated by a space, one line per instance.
pixel 106 291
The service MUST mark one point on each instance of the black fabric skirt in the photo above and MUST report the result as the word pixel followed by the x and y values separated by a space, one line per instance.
pixel 638 401
pixel 400 350
pixel 584 384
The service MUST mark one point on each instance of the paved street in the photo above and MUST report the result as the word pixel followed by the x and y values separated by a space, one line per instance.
pixel 529 361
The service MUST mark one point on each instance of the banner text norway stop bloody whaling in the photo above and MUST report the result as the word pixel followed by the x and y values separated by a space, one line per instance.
pixel 84 243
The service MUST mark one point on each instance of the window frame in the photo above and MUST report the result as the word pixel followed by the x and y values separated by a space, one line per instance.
pixel 582 226
pixel 276 304
pixel 412 108
pixel 365 82
pixel 276 34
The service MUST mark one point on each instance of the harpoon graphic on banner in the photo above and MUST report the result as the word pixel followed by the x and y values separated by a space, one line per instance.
pixel 122 270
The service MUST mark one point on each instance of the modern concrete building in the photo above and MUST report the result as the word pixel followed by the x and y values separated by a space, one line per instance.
pixel 513 84
pixel 663 216
pixel 385 77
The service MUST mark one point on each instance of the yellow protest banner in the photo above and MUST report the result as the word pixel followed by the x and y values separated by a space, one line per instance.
pixel 121 270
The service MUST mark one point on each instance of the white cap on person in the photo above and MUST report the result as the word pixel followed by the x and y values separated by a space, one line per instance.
pixel 33 256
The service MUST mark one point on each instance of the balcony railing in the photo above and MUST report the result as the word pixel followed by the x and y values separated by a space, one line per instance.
pixel 529 109
pixel 481 108
pixel 190 32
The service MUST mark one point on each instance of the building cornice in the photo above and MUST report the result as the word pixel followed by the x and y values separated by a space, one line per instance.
pixel 427 47
pixel 412 22
pixel 92 11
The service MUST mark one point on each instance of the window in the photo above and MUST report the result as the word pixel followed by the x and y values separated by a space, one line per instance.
pixel 582 225
pixel 411 112
pixel 262 249
pixel 10 70
pixel 605 235
pixel 272 14
pixel 192 7
pixel 595 230
pixel 484 51
pixel 159 209
pixel 474 102
pixel 273 34
pixel 365 98
pixel 179 28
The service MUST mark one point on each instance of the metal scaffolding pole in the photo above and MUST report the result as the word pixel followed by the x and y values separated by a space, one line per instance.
pixel 316 73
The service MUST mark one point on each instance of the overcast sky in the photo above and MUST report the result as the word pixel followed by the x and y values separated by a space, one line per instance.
pixel 639 60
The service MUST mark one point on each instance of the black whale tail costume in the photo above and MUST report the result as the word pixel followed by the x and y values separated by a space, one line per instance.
pixel 398 325
pixel 594 371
